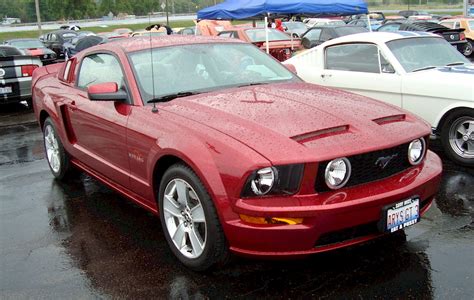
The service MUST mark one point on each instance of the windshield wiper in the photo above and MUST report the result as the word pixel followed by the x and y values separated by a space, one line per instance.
pixel 252 84
pixel 424 68
pixel 458 63
pixel 170 97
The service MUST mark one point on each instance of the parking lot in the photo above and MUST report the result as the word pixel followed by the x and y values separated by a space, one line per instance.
pixel 82 240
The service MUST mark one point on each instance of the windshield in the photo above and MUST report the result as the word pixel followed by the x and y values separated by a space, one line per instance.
pixel 258 35
pixel 419 53
pixel 203 68
pixel 341 31
pixel 27 44
pixel 295 25
pixel 471 24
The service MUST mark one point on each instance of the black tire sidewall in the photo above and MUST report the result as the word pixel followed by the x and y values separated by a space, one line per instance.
pixel 63 158
pixel 214 236
pixel 466 112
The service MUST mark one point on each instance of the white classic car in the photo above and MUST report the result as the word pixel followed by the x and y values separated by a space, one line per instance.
pixel 419 72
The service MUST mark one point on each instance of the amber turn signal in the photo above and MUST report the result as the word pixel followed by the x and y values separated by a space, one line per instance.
pixel 265 221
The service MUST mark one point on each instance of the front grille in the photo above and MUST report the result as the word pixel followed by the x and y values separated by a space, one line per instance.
pixel 368 167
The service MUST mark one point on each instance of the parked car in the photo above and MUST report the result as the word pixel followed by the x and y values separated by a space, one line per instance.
pixel 419 72
pixel 125 32
pixel 317 35
pixel 312 22
pixel 70 27
pixel 409 13
pixel 375 15
pixel 232 150
pixel 295 29
pixel 187 31
pixel 463 23
pixel 374 24
pixel 455 37
pixel 280 44
pixel 55 40
pixel 33 47
pixel 16 69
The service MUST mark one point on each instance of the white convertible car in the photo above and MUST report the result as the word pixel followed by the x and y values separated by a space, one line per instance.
pixel 419 72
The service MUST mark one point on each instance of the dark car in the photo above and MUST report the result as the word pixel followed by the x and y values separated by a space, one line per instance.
pixel 317 35
pixel 34 47
pixel 55 40
pixel 16 70
pixel 409 13
pixel 455 37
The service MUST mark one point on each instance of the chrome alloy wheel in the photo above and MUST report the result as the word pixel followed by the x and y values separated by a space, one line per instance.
pixel 52 148
pixel 461 137
pixel 184 218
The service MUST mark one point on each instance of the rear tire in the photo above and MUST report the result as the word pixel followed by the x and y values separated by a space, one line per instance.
pixel 57 157
pixel 468 49
pixel 457 137
pixel 189 220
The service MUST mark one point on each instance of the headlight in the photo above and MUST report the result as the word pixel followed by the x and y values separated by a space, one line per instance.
pixel 277 180
pixel 416 151
pixel 263 181
pixel 338 172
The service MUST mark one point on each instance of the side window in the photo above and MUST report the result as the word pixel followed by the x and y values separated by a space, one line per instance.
pixel 99 68
pixel 353 57
pixel 457 25
pixel 226 34
pixel 448 24
pixel 53 37
pixel 313 34
pixel 325 35
pixel 385 66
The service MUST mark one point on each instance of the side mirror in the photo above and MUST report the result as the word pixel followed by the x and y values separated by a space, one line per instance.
pixel 107 91
pixel 292 68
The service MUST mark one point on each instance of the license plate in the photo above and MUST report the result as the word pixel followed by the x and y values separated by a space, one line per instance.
pixel 401 214
pixel 5 90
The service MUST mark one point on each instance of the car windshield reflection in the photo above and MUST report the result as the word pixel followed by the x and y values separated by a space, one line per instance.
pixel 202 68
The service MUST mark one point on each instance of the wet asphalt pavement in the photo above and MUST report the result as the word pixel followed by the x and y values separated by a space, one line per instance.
pixel 82 240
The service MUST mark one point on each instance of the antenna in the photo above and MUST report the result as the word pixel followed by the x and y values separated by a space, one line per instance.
pixel 154 109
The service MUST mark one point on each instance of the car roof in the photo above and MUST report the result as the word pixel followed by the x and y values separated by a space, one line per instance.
pixel 141 43
pixel 381 37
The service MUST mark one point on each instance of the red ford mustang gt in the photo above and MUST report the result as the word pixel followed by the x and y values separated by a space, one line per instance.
pixel 233 151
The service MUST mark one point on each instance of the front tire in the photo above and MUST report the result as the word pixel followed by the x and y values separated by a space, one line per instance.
pixel 189 220
pixel 457 137
pixel 57 157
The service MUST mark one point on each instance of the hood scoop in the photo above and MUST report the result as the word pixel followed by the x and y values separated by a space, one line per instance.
pixel 311 136
pixel 390 119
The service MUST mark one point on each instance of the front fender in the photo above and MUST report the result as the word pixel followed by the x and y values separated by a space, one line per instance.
pixel 447 109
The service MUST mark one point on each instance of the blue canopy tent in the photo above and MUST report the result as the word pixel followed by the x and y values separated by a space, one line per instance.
pixel 258 9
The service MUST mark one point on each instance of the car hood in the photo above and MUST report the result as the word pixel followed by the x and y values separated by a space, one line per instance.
pixel 289 122
pixel 454 83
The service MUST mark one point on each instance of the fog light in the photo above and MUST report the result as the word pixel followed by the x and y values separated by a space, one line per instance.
pixel 274 221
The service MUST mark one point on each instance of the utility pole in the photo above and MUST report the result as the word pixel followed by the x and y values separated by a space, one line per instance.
pixel 167 17
pixel 38 16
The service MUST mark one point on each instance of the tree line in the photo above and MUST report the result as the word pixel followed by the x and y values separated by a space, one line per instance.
pixel 53 10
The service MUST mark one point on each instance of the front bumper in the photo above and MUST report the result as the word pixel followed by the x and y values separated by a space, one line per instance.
pixel 331 220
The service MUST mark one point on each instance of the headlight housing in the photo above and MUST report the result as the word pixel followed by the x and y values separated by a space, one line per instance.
pixel 337 173
pixel 416 151
pixel 276 180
